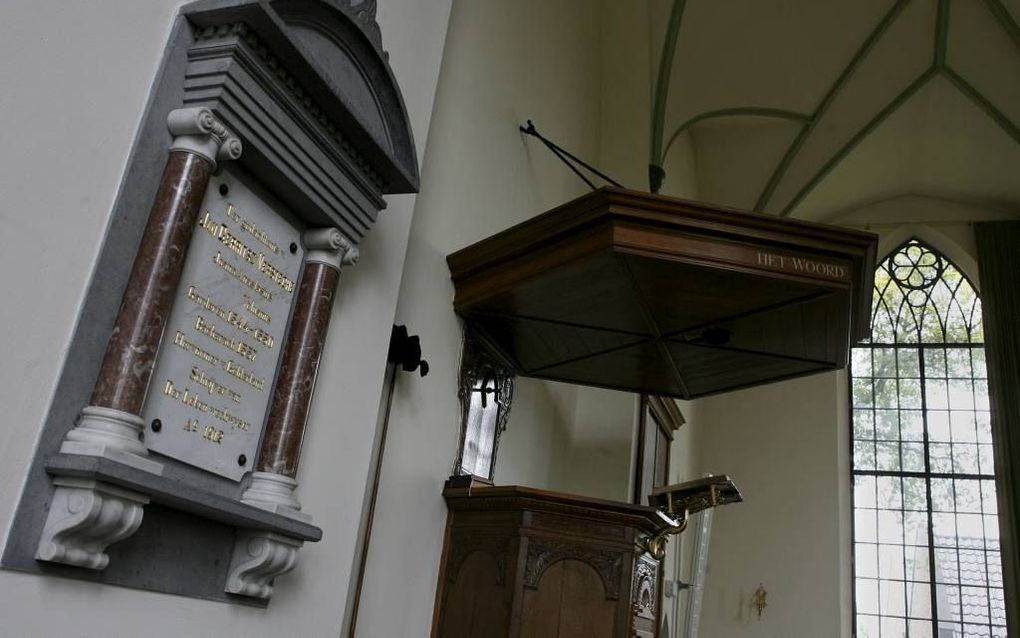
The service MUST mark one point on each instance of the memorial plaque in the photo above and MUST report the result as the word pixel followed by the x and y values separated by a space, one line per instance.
pixel 214 375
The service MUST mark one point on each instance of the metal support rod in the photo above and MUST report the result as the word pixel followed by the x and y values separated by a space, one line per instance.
pixel 569 158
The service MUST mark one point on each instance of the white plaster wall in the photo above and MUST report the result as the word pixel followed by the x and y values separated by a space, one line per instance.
pixel 505 62
pixel 71 105
pixel 683 466
pixel 537 440
pixel 596 458
pixel 784 447
pixel 82 72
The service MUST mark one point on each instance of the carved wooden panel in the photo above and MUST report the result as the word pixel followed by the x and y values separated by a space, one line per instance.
pixel 478 594
pixel 643 596
pixel 570 602
pixel 464 545
pixel 544 553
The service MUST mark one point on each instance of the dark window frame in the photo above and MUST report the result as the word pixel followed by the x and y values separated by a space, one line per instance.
pixel 651 469
pixel 918 271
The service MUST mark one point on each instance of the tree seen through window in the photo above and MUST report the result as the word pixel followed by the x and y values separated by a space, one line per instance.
pixel 926 545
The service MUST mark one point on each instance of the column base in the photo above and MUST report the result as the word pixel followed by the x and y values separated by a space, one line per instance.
pixel 259 557
pixel 112 434
pixel 85 517
pixel 274 493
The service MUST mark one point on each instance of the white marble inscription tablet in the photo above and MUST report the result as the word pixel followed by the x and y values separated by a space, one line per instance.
pixel 213 378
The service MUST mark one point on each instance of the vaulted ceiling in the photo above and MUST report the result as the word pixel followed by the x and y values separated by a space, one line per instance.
pixel 812 108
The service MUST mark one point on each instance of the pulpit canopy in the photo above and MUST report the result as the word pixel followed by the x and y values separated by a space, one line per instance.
pixel 639 292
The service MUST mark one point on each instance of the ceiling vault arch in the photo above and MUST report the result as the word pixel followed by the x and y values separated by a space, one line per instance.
pixel 940 66
pixel 740 111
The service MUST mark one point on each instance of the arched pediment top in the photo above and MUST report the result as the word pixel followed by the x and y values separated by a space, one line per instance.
pixel 331 54
pixel 362 13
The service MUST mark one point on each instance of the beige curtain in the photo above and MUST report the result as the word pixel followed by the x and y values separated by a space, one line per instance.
pixel 998 246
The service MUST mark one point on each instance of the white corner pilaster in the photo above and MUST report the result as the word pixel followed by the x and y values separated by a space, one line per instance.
pixel 85 517
pixel 258 558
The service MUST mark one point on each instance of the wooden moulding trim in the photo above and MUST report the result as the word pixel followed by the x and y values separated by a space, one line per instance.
pixel 534 233
pixel 480 285
pixel 697 248
pixel 693 395
pixel 665 411
pixel 525 498
pixel 610 203
pixel 631 238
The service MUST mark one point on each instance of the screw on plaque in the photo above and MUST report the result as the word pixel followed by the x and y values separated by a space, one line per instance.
pixel 293 248
pixel 242 460
pixel 156 425
pixel 224 189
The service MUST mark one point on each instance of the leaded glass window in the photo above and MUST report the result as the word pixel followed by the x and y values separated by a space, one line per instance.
pixel 926 539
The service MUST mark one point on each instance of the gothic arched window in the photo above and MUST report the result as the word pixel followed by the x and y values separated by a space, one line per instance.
pixel 926 538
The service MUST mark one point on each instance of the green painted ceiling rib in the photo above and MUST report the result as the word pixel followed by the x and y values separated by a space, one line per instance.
pixel 941 34
pixel 826 102
pixel 751 111
pixel 872 124
pixel 1005 19
pixel 662 84
pixel 983 103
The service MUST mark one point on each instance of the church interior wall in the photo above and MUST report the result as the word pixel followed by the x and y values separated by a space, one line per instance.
pixel 495 65
pixel 781 445
pixel 83 78
pixel 504 63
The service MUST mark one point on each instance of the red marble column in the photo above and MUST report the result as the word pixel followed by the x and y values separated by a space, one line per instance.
pixel 131 352
pixel 86 516
pixel 273 484
pixel 110 425
pixel 285 428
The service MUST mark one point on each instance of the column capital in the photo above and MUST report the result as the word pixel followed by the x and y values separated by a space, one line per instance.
pixel 329 246
pixel 196 130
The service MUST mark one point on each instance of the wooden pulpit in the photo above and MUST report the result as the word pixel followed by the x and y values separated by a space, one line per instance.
pixel 521 562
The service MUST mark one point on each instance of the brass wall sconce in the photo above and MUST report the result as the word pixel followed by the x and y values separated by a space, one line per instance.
pixel 758 600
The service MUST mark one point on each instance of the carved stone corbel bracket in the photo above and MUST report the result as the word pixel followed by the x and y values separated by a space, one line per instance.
pixel 85 517
pixel 259 557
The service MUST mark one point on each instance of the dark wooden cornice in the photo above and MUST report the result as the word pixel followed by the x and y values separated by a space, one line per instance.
pixel 640 292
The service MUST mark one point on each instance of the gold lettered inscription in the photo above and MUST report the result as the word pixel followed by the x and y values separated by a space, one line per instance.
pixel 208 329
pixel 234 318
pixel 258 313
pixel 260 235
pixel 224 331
pixel 253 257
pixel 802 266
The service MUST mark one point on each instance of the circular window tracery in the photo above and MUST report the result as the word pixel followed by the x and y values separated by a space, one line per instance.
pixel 916 269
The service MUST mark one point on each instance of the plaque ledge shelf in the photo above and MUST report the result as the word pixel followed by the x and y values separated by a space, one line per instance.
pixel 172 494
